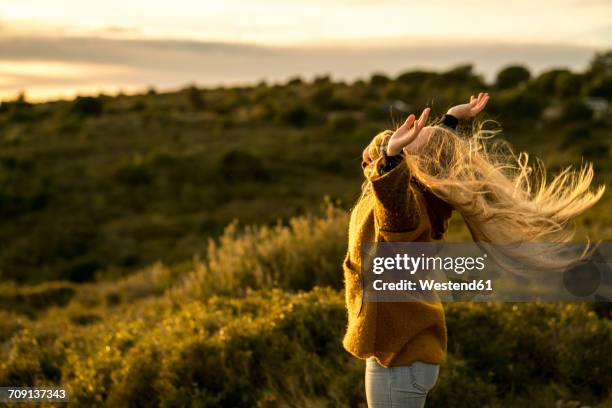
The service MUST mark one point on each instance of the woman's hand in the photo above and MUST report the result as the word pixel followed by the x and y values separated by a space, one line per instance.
pixel 407 133
pixel 468 110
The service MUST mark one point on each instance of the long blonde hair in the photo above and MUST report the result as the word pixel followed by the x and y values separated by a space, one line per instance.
pixel 501 195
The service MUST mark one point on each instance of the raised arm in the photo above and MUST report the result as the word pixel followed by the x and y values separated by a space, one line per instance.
pixel 470 109
pixel 397 213
pixel 396 209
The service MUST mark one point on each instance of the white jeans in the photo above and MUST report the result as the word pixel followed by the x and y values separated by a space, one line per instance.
pixel 399 386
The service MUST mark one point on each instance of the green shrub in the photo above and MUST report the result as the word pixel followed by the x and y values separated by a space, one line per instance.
pixel 576 134
pixel 596 151
pixel 322 96
pixel 134 173
pixel 19 110
pixel 512 76
pixel 295 81
pixel 82 270
pixel 236 166
pixel 341 123
pixel 86 106
pixel 85 318
pixel 296 114
pixel 568 85
pixel 195 97
pixel 519 106
pixel 546 82
pixel 30 300
pixel 601 87
pixel 416 77
pixel 379 79
pixel 10 324
pixel 461 74
pixel 33 358
pixel 393 91
pixel 311 248
pixel 459 385
pixel 516 346
pixel 576 111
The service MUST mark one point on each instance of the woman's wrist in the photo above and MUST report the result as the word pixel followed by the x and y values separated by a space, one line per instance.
pixel 450 121
pixel 453 112
pixel 389 151
pixel 390 162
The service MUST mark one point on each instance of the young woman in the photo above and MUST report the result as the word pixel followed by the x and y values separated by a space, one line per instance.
pixel 415 177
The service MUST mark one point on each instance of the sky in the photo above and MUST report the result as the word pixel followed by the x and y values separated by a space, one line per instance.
pixel 61 48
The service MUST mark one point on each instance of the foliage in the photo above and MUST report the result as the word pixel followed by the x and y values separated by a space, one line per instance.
pixel 238 166
pixel 576 111
pixel 86 106
pixel 300 255
pixel 512 76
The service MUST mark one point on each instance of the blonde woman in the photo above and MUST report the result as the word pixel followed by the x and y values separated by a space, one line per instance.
pixel 415 177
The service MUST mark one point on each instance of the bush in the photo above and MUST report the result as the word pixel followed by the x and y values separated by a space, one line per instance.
pixel 86 106
pixel 341 123
pixel 596 151
pixel 462 74
pixel 237 166
pixel 546 82
pixel 512 76
pixel 568 85
pixel 294 81
pixel 30 300
pixel 459 386
pixel 379 79
pixel 322 96
pixel 195 97
pixel 393 91
pixel 520 106
pixel 259 257
pixel 576 111
pixel 601 87
pixel 416 77
pixel 134 173
pixel 576 134
pixel 530 341
pixel 295 115
pixel 82 270
pixel 19 110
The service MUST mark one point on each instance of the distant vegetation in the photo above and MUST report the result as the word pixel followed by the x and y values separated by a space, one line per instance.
pixel 100 186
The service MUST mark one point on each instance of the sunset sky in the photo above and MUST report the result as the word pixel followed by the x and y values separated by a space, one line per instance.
pixel 64 47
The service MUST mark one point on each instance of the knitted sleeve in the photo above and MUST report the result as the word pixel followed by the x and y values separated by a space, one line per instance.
pixel 396 209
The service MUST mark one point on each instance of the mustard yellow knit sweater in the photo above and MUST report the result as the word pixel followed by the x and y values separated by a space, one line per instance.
pixel 396 209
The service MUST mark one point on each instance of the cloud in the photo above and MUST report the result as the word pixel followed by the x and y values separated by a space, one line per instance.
pixel 99 63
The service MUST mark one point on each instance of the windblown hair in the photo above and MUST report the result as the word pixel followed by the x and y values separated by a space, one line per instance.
pixel 503 198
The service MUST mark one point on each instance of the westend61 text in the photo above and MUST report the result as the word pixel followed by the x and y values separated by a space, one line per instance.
pixel 430 284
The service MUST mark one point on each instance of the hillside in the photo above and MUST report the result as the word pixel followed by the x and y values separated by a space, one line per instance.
pixel 98 187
